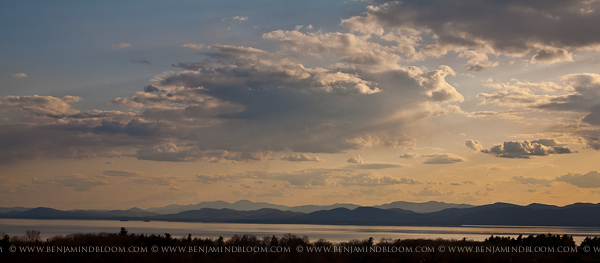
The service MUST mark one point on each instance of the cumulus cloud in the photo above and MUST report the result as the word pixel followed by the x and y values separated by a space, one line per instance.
pixel 301 157
pixel 477 60
pixel 240 18
pixel 544 28
pixel 579 96
pixel 242 103
pixel 474 145
pixel 443 158
pixel 172 152
pixel 122 45
pixel 19 75
pixel 527 149
pixel 585 98
pixel 356 159
pixel 40 105
pixel 514 98
pixel 552 56
pixel 349 48
pixel 588 180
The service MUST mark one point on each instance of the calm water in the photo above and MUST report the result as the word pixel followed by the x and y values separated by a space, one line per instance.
pixel 333 233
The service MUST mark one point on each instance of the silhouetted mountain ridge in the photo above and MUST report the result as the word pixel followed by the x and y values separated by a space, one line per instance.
pixel 245 205
pixel 579 214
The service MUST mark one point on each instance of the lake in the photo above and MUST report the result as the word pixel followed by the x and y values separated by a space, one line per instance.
pixel 333 233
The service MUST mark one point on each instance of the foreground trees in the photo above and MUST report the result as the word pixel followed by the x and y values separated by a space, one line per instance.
pixel 123 246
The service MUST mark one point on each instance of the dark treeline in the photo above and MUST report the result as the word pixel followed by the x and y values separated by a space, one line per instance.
pixel 292 248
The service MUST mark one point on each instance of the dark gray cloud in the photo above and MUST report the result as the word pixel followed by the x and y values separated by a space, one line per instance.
pixel 511 27
pixel 150 88
pixel 526 149
pixel 551 56
pixel 588 180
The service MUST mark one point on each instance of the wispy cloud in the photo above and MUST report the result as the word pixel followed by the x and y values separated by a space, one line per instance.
pixel 122 45
pixel 19 75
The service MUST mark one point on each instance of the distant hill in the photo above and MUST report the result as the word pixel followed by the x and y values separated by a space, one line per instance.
pixel 245 205
pixel 579 214
pixel 427 207
pixel 11 209
pixel 264 215
pixel 242 205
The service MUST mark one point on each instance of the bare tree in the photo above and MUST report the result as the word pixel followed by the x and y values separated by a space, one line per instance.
pixel 32 235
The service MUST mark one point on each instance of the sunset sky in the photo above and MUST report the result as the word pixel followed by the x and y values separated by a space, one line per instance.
pixel 116 104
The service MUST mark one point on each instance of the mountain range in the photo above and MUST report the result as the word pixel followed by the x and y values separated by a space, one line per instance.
pixel 578 214
pixel 245 205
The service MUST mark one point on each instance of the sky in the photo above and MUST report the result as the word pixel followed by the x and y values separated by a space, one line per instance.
pixel 120 104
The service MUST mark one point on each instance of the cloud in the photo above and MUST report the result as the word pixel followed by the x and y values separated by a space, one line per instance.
pixel 313 178
pixel 371 180
pixel 211 179
pixel 526 149
pixel 237 104
pixel 514 98
pixel 172 152
pixel 142 61
pixel 578 96
pixel 375 166
pixel 474 145
pixel 588 180
pixel 19 75
pixel 122 45
pixel 120 173
pixel 240 18
pixel 532 181
pixel 552 56
pixel 585 98
pixel 477 60
pixel 349 48
pixel 301 157
pixel 76 181
pixel 40 105
pixel 533 27
pixel 409 155
pixel 235 18
pixel 443 158
pixel 430 191
pixel 356 159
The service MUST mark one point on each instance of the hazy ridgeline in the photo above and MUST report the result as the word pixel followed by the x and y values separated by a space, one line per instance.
pixel 368 250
